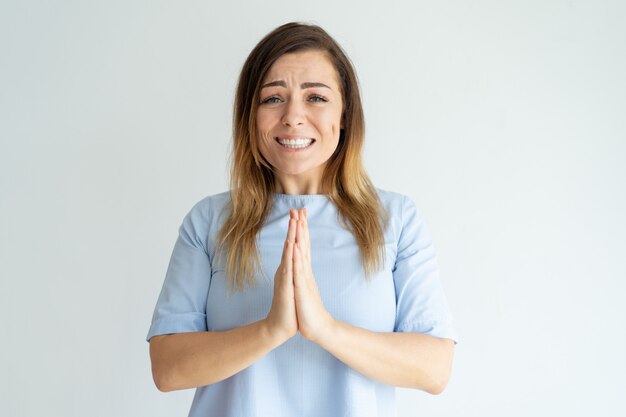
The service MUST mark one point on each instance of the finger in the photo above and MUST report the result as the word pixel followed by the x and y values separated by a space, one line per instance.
pixel 290 217
pixel 287 260
pixel 291 235
pixel 304 235
pixel 298 221
pixel 301 214
pixel 293 223
pixel 307 238
pixel 286 245
pixel 301 239
pixel 297 265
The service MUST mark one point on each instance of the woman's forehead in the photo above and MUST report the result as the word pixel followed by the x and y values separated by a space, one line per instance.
pixel 305 66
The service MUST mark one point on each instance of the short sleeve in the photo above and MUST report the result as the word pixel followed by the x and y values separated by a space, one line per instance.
pixel 181 306
pixel 421 305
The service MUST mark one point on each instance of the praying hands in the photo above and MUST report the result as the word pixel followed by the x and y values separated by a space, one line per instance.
pixel 404 359
pixel 296 304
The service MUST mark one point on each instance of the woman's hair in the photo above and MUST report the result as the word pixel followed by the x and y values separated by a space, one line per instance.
pixel 252 181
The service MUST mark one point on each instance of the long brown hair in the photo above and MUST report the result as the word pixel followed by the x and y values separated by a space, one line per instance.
pixel 252 181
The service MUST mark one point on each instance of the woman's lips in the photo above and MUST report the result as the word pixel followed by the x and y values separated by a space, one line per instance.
pixel 294 145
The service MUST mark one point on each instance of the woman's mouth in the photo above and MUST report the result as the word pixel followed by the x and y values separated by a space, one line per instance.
pixel 295 144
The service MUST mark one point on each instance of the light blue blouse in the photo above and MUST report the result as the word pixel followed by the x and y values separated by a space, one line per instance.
pixel 299 378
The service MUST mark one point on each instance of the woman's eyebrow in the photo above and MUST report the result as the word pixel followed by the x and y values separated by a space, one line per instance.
pixel 281 83
pixel 313 84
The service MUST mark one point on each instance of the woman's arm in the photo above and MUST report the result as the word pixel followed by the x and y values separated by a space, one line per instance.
pixel 193 359
pixel 189 360
pixel 404 359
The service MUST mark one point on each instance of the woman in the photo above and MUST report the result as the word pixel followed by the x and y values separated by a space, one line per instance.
pixel 355 306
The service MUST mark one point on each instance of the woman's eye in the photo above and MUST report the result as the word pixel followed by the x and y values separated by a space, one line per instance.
pixel 317 99
pixel 271 100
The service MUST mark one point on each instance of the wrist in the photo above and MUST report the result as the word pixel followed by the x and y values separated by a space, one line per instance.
pixel 273 335
pixel 327 331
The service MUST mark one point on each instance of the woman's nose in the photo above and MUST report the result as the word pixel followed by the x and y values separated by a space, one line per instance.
pixel 294 114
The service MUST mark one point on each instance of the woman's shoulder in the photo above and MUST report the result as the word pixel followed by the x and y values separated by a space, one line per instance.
pixel 212 202
pixel 388 195
pixel 393 201
pixel 205 213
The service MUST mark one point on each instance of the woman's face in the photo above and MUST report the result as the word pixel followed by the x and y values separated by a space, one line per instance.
pixel 299 115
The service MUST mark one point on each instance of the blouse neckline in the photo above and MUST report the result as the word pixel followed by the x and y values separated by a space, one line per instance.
pixel 310 197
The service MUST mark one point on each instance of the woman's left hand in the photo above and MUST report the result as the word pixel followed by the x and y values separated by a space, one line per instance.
pixel 314 321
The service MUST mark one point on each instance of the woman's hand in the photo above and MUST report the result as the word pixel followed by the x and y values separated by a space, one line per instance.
pixel 281 320
pixel 314 321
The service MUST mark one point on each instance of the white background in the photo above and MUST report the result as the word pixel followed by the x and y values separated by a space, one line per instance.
pixel 504 120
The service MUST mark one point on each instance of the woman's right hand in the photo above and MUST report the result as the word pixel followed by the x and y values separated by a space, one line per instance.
pixel 281 319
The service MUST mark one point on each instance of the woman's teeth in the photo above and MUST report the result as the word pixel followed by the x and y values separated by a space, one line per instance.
pixel 295 143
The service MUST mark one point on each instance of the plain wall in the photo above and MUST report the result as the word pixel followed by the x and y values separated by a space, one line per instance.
pixel 504 120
